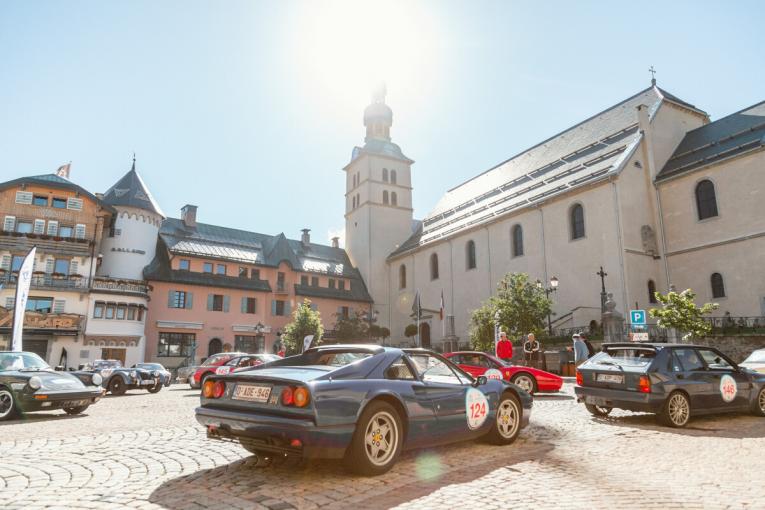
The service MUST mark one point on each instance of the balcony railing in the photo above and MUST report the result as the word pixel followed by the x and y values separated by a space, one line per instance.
pixel 49 281
pixel 120 285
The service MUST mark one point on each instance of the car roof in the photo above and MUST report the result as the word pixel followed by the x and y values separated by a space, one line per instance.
pixel 654 345
pixel 373 348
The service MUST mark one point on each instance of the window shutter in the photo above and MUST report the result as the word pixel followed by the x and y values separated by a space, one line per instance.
pixel 49 263
pixel 9 224
pixel 189 300
pixel 74 267
pixel 244 305
pixel 209 302
pixel 170 296
pixel 58 305
pixel 287 308
pixel 6 262
pixel 9 301
pixel 273 307
pixel 254 305
pixel 79 231
pixel 75 204
pixel 24 197
pixel 52 228
pixel 39 227
pixel 225 303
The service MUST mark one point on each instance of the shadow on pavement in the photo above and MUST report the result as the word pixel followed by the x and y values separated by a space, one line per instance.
pixel 729 425
pixel 37 417
pixel 542 397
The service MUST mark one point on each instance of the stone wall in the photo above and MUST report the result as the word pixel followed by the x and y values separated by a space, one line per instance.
pixel 737 347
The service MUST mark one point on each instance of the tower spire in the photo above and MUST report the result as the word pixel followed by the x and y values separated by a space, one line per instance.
pixel 378 117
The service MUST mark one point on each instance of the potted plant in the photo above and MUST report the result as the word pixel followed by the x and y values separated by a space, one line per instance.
pixel 59 276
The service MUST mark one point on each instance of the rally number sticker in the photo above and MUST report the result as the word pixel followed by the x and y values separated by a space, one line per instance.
pixel 477 408
pixel 493 373
pixel 728 388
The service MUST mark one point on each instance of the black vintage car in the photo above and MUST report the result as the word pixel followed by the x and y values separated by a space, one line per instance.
pixel 673 381
pixel 118 379
pixel 27 384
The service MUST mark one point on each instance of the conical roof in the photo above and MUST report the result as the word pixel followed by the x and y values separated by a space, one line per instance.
pixel 131 191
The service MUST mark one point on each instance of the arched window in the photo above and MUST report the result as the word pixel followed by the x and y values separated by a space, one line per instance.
pixel 358 200
pixel 393 176
pixel 385 197
pixel 651 292
pixel 402 277
pixel 393 198
pixel 718 287
pixel 706 202
pixel 517 241
pixel 470 254
pixel 385 175
pixel 577 222
pixel 434 267
pixel 353 202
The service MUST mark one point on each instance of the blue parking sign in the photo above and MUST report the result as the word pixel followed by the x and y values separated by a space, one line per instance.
pixel 637 317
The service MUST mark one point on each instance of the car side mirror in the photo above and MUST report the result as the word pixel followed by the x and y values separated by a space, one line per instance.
pixel 480 380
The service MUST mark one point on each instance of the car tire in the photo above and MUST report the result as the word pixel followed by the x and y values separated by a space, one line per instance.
pixel 758 406
pixel 117 386
pixel 155 388
pixel 526 382
pixel 676 411
pixel 7 404
pixel 598 410
pixel 507 420
pixel 376 443
pixel 76 410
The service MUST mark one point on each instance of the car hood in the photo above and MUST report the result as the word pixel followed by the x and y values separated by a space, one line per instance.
pixel 51 380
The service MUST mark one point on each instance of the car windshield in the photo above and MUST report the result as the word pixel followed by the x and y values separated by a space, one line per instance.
pixel 756 357
pixel 327 358
pixel 21 361
pixel 625 356
pixel 215 359
pixel 150 366
pixel 101 364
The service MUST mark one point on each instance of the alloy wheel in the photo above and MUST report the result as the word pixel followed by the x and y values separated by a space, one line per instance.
pixel 6 403
pixel 507 418
pixel 761 400
pixel 525 383
pixel 679 410
pixel 381 438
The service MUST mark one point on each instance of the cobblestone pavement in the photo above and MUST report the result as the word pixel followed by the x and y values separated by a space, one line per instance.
pixel 146 451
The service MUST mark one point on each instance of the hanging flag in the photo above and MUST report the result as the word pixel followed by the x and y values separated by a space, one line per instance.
pixel 416 306
pixel 63 171
pixel 441 310
pixel 22 294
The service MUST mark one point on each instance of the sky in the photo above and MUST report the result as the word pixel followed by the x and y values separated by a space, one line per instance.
pixel 250 109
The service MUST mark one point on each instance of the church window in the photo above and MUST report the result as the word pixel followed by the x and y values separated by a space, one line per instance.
pixel 517 241
pixel 706 202
pixel 393 198
pixel 402 276
pixel 358 200
pixel 470 254
pixel 385 175
pixel 718 287
pixel 393 177
pixel 434 267
pixel 651 292
pixel 577 221
pixel 385 197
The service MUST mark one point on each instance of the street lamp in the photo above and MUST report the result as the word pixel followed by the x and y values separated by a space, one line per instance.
pixel 548 290
pixel 372 317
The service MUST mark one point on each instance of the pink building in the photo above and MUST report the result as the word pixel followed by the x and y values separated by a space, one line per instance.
pixel 219 289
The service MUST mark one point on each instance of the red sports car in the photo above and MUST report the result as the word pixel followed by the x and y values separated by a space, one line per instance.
pixel 530 379
pixel 208 367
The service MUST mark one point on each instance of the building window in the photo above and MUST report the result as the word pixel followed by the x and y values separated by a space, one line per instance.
pixel 331 283
pixel 385 175
pixel 718 287
pixel 402 276
pixel 393 177
pixel 470 254
pixel 175 344
pixel 393 198
pixel 577 221
pixel 280 285
pixel 65 231
pixel 208 267
pixel 314 281
pixel 341 284
pixel 248 343
pixel 40 200
pixel 249 305
pixel 217 303
pixel 109 311
pixel 98 311
pixel 651 292
pixel 344 312
pixel 255 274
pixel 40 304
pixel 59 203
pixel 517 241
pixel 131 313
pixel 220 269
pixel 434 267
pixel 61 266
pixel 25 227
pixel 16 262
pixel 184 264
pixel 242 272
pixel 358 200
pixel 706 202
pixel 279 308
pixel 303 280
pixel 121 312
pixel 385 197
pixel 178 299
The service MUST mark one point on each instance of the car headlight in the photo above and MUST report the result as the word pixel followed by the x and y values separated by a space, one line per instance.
pixel 155 373
pixel 35 383
pixel 97 379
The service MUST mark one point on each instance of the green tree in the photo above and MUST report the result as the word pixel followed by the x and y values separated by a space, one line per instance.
pixel 410 330
pixel 305 321
pixel 523 308
pixel 679 311
pixel 354 327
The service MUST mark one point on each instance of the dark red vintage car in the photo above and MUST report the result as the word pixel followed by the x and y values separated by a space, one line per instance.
pixel 528 378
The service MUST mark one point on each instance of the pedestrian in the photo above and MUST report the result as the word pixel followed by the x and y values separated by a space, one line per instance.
pixel 504 349
pixel 590 347
pixel 580 349
pixel 530 349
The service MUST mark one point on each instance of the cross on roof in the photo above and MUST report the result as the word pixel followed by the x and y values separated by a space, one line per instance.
pixel 653 75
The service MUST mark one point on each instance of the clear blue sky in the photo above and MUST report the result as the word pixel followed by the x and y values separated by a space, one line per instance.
pixel 250 109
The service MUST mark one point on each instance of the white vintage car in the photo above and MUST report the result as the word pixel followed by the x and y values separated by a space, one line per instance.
pixel 755 361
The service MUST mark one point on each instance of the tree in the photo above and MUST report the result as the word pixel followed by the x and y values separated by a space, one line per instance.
pixel 305 321
pixel 679 311
pixel 522 306
pixel 410 330
pixel 352 327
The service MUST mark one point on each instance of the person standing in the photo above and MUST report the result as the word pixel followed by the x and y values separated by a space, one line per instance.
pixel 590 347
pixel 530 349
pixel 504 348
pixel 580 349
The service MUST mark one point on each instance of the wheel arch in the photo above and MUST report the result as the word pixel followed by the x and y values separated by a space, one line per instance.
pixel 394 401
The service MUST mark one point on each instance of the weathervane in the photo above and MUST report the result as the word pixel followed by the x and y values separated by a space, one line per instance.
pixel 653 75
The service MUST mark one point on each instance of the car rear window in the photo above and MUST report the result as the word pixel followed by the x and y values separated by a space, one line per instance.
pixel 334 358
pixel 625 356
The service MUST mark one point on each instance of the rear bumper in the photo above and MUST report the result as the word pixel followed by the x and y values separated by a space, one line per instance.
pixel 620 399
pixel 274 434
pixel 57 399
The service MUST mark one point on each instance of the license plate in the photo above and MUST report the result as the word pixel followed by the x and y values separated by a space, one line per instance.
pixel 595 401
pixel 74 403
pixel 610 378
pixel 252 393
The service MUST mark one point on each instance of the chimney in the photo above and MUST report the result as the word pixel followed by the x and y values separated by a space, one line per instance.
pixel 189 215
pixel 336 242
pixel 306 237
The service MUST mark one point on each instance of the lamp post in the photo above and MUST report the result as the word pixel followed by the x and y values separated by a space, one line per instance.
pixel 549 290
pixel 496 330
pixel 372 317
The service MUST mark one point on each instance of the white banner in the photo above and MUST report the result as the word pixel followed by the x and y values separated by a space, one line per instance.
pixel 307 342
pixel 22 294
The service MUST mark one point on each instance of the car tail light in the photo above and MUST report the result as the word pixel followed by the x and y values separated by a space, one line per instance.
pixel 579 378
pixel 301 397
pixel 288 396
pixel 219 388
pixel 644 384
pixel 207 389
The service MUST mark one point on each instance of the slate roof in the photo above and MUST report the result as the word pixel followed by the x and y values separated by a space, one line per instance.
pixel 588 152
pixel 734 135
pixel 54 181
pixel 131 191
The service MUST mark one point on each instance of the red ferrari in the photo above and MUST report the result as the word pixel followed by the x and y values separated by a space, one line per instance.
pixel 530 379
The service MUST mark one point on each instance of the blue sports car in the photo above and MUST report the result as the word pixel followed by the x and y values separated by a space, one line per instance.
pixel 362 403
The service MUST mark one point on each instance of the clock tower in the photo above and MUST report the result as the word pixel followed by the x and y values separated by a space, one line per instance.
pixel 378 202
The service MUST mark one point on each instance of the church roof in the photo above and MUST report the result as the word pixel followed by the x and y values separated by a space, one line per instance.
pixel 379 147
pixel 131 191
pixel 734 135
pixel 588 152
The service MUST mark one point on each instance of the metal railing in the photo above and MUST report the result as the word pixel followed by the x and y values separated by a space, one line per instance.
pixel 49 281
pixel 120 285
pixel 736 326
